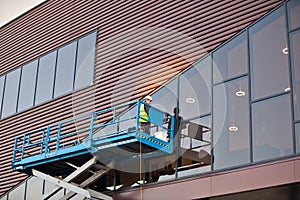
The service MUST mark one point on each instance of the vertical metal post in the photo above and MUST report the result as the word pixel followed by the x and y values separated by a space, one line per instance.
pixel 138 116
pixel 42 142
pixel 23 146
pixel 172 132
pixel 15 149
pixel 114 115
pixel 91 127
pixel 47 141
pixel 58 138
pixel 28 142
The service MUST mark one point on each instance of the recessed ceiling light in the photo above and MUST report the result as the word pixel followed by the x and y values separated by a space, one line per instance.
pixel 240 93
pixel 287 89
pixel 190 100
pixel 285 51
pixel 111 188
pixel 233 128
pixel 141 182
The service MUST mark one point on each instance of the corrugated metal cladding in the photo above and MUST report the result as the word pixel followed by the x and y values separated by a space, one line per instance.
pixel 140 45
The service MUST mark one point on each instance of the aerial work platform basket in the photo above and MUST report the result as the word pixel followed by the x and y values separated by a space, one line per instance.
pixel 80 138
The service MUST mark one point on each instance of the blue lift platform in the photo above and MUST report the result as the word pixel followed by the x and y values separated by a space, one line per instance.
pixel 82 155
pixel 78 140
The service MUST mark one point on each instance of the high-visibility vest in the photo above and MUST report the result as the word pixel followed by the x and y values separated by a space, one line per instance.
pixel 143 114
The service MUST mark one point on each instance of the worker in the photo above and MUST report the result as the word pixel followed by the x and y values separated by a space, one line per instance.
pixel 144 115
pixel 177 123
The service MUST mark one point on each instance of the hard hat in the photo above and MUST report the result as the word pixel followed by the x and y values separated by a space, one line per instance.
pixel 148 97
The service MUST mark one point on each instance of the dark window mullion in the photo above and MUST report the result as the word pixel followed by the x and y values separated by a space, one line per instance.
pixel 75 65
pixel 1 106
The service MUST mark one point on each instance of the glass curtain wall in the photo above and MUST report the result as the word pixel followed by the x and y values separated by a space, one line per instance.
pixel 231 123
pixel 251 116
pixel 194 154
pixel 271 107
pixel 272 128
pixel 293 8
pixel 162 168
pixel 269 62
pixel 231 136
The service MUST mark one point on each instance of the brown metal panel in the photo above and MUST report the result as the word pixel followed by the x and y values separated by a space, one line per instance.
pixel 235 181
pixel 140 45
pixel 267 175
pixel 297 172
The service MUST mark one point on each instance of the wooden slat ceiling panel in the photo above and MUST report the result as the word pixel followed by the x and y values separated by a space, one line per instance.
pixel 140 45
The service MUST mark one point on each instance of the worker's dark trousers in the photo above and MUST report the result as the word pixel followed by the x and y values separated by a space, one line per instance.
pixel 145 127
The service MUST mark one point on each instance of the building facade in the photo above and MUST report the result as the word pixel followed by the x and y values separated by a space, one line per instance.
pixel 230 67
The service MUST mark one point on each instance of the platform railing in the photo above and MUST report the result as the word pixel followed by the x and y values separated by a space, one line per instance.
pixel 72 133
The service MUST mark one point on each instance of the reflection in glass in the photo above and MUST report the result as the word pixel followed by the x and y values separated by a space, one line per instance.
pixel 85 61
pixel 231 59
pixel 269 65
pixel 295 46
pixel 11 93
pixel 165 99
pixel 48 187
pixel 2 78
pixel 65 69
pixel 294 13
pixel 231 124
pixel 34 188
pixel 194 90
pixel 162 168
pixel 27 86
pixel 195 146
pixel 18 192
pixel 45 81
pixel 272 128
pixel 78 197
pixel 297 131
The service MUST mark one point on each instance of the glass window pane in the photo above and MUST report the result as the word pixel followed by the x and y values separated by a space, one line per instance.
pixel 45 81
pixel 294 13
pixel 272 128
pixel 269 62
pixel 194 90
pixel 27 87
pixel 65 69
pixel 195 146
pixel 2 78
pixel 161 168
pixel 18 192
pixel 4 197
pixel 231 59
pixel 78 197
pixel 297 130
pixel 295 55
pixel 11 93
pixel 85 61
pixel 34 189
pixel 165 99
pixel 49 188
pixel 231 124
